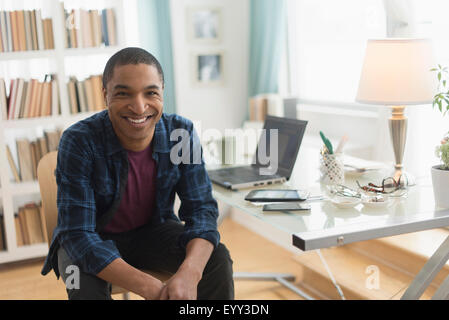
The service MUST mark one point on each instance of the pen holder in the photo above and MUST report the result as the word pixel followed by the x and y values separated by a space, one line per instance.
pixel 332 168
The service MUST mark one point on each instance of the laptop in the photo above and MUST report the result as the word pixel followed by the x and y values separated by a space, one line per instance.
pixel 290 133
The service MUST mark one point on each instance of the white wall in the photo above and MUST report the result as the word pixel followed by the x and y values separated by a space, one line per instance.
pixel 221 106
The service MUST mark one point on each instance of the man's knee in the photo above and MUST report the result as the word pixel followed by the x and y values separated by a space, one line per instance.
pixel 217 282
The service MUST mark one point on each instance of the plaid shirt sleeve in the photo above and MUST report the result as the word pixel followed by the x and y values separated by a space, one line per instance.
pixel 76 206
pixel 198 208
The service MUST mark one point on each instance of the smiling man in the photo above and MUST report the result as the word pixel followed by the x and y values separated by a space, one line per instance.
pixel 116 190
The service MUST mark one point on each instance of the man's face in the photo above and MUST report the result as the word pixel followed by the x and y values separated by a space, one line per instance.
pixel 134 97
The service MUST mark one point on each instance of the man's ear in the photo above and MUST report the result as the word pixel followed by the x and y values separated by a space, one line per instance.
pixel 104 97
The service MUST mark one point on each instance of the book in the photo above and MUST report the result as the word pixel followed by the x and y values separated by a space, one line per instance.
pixel 9 31
pixel 4 31
pixel 14 30
pixel 34 158
pixel 52 138
pixel 23 226
pixel 19 232
pixel 34 30
pixel 111 27
pixel 28 32
pixel 50 34
pixel 54 96
pixel 21 29
pixel 25 159
pixel 89 94
pixel 72 96
pixel 104 27
pixel 45 33
pixel 28 98
pixel 37 103
pixel 44 102
pixel 43 146
pixel 3 100
pixel 23 99
pixel 96 27
pixel 12 164
pixel 78 29
pixel 97 92
pixel 65 30
pixel 81 96
pixel 39 30
pixel 19 97
pixel 33 223
pixel 86 28
pixel 12 97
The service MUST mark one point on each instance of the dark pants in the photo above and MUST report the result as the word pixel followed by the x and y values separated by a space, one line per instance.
pixel 155 248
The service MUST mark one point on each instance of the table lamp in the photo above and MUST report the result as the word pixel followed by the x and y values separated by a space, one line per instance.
pixel 396 73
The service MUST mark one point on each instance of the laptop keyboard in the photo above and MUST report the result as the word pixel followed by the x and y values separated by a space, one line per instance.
pixel 240 174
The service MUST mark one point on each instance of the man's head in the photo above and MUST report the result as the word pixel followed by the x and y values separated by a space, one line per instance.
pixel 133 83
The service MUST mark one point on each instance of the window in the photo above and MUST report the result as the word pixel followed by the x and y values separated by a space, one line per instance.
pixel 327 42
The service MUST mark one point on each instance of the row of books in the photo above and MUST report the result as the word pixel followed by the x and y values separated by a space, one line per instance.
pixel 30 152
pixel 86 95
pixel 28 99
pixel 22 30
pixel 89 28
pixel 30 225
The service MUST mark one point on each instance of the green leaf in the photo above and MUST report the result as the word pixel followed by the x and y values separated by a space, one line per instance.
pixel 439 76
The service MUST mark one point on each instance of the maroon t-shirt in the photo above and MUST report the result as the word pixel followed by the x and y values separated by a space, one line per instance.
pixel 138 200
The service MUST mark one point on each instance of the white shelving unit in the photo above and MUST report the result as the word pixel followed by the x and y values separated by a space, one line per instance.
pixel 9 189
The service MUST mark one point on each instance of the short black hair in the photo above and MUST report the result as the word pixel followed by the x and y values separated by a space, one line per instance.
pixel 130 55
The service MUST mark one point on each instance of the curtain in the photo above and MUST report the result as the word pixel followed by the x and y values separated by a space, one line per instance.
pixel 267 40
pixel 155 37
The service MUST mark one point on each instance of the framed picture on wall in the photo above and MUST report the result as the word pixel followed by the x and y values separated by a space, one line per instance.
pixel 207 68
pixel 204 24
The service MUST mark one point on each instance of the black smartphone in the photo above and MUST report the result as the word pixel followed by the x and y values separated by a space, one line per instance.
pixel 291 206
pixel 276 195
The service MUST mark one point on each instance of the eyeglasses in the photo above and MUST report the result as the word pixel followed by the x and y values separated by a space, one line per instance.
pixel 343 191
pixel 389 185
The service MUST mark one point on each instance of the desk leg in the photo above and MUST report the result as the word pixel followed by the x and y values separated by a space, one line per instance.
pixel 428 273
pixel 282 278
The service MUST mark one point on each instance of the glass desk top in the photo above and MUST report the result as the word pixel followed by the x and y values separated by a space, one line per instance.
pixel 326 225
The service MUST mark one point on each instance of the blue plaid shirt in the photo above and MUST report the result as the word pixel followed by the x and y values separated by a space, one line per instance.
pixel 91 175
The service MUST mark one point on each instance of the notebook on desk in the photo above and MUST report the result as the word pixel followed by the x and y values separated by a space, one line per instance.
pixel 289 133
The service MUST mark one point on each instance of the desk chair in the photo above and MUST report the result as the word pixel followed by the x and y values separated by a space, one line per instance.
pixel 48 189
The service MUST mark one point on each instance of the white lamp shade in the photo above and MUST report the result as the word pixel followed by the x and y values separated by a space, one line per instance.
pixel 397 72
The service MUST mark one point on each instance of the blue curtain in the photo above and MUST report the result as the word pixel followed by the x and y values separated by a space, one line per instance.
pixel 267 35
pixel 155 37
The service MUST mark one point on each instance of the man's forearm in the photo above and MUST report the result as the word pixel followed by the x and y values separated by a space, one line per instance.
pixel 120 273
pixel 198 252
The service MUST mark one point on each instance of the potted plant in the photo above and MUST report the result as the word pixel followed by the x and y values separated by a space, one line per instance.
pixel 440 173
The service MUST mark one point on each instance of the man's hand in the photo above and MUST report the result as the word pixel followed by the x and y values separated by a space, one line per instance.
pixel 183 284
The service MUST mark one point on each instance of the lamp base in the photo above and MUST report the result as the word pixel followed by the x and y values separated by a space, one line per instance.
pixel 405 177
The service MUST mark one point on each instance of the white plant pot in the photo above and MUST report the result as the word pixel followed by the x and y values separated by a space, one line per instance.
pixel 440 182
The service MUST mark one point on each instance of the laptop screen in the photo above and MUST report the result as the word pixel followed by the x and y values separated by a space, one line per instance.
pixel 289 137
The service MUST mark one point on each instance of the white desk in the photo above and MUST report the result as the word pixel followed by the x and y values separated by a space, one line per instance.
pixel 326 225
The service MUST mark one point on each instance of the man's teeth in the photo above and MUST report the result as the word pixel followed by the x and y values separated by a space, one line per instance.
pixel 141 120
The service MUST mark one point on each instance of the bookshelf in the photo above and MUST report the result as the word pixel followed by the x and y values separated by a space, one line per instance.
pixel 61 58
